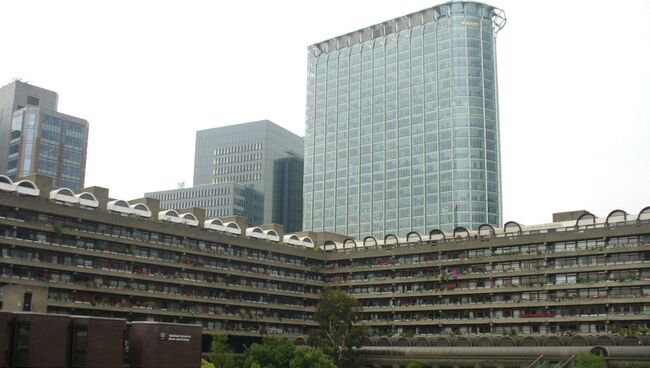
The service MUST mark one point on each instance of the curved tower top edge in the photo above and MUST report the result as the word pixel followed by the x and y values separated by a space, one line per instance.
pixel 402 23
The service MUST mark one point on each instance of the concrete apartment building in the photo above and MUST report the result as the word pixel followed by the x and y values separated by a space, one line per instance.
pixel 402 125
pixel 175 270
pixel 85 253
pixel 36 138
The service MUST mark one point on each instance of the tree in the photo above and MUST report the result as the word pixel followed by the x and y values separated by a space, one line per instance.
pixel 416 364
pixel 586 360
pixel 310 358
pixel 280 353
pixel 336 314
pixel 272 353
pixel 220 352
pixel 206 364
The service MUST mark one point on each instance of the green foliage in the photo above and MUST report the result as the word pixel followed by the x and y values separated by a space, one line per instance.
pixel 336 314
pixel 416 364
pixel 206 364
pixel 408 333
pixel 586 360
pixel 631 330
pixel 220 352
pixel 272 353
pixel 314 268
pixel 310 358
pixel 58 228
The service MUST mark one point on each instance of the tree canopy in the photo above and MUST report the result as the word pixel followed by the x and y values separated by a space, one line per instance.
pixel 220 352
pixel 310 358
pixel 272 353
pixel 206 364
pixel 337 315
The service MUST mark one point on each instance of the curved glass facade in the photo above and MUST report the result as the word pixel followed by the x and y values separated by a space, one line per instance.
pixel 402 128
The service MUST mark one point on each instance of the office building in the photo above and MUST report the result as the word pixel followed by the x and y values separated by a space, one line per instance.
pixel 245 154
pixel 36 138
pixel 218 200
pixel 287 193
pixel 84 253
pixel 402 125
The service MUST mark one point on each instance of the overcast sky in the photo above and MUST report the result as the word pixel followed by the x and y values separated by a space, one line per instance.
pixel 574 86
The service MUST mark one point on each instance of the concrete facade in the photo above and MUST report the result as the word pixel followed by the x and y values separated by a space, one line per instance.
pixel 588 276
pixel 14 297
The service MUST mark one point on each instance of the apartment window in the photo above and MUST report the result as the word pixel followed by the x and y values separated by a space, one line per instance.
pixel 27 302
pixel 79 345
pixel 21 347
pixel 565 279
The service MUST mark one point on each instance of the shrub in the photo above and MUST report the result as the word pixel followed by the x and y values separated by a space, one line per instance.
pixel 586 360
pixel 206 364
pixel 310 358
pixel 416 364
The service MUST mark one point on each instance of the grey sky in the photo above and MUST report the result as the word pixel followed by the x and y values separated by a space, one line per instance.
pixel 574 86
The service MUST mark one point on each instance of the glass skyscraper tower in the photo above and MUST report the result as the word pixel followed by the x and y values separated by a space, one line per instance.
pixel 402 125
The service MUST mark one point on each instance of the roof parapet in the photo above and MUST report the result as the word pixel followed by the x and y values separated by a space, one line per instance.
pixel 406 22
